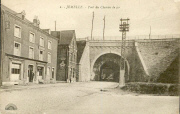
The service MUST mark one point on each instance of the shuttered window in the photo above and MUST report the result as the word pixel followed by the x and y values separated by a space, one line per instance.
pixel 31 37
pixel 17 31
pixel 41 41
pixel 17 49
pixel 49 44
pixel 31 52
pixel 49 57
pixel 41 55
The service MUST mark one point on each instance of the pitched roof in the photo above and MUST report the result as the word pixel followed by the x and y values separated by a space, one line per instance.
pixel 3 7
pixel 67 36
pixel 80 49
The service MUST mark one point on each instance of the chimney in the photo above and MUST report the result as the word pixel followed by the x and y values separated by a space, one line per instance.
pixel 21 15
pixel 36 21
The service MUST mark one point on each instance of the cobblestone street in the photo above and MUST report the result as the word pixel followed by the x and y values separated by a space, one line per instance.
pixel 85 98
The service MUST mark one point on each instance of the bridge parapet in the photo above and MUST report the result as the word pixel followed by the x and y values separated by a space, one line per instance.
pixel 162 42
pixel 140 38
pixel 110 43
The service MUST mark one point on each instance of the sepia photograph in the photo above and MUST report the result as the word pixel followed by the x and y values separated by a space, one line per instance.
pixel 90 57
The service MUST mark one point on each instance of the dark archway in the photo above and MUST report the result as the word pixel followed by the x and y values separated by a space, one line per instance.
pixel 109 71
pixel 107 68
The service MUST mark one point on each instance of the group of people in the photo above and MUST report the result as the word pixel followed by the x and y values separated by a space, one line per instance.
pixel 32 77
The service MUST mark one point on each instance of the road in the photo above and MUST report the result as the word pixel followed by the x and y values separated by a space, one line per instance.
pixel 86 98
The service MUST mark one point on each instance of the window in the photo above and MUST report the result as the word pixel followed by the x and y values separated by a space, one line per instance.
pixel 15 71
pixel 40 70
pixel 49 57
pixel 49 44
pixel 41 55
pixel 17 49
pixel 71 57
pixel 42 41
pixel 31 52
pixel 32 37
pixel 17 31
pixel 15 68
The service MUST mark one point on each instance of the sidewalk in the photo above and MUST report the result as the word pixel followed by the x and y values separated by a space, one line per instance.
pixel 29 86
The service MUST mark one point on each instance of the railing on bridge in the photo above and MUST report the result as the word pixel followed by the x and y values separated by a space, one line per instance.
pixel 137 37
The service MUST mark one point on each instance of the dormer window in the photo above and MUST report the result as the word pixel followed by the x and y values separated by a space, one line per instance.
pixel 21 15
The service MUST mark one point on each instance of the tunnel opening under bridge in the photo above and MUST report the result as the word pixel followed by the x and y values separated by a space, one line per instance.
pixel 107 68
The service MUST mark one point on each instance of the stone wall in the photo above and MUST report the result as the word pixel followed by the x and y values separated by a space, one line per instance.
pixel 158 56
pixel 84 64
pixel 80 49
pixel 138 71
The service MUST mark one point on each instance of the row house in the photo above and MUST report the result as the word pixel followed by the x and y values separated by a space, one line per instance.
pixel 67 56
pixel 29 54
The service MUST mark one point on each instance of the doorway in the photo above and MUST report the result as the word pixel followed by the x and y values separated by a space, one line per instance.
pixel 30 73
pixel 40 72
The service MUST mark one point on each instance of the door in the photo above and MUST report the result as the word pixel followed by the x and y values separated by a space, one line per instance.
pixel 40 72
pixel 30 73
pixel 15 71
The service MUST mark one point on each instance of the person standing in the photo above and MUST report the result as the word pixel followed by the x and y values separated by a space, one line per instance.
pixel 70 80
pixel 31 76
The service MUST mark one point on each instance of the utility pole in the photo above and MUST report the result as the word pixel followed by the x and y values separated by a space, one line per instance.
pixel 55 25
pixel 104 28
pixel 124 27
pixel 150 33
pixel 1 47
pixel 92 25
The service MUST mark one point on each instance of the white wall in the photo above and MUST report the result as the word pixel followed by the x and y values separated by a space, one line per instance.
pixel 84 67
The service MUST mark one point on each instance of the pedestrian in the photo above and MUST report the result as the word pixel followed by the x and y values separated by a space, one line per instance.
pixel 70 80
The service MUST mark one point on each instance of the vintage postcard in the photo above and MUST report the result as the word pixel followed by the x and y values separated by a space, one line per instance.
pixel 90 57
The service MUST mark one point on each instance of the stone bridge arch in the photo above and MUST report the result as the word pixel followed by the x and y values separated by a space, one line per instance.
pixel 98 65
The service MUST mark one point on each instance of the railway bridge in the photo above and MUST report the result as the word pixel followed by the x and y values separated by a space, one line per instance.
pixel 154 60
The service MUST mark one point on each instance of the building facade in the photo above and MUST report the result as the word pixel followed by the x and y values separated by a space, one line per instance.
pixel 29 54
pixel 67 56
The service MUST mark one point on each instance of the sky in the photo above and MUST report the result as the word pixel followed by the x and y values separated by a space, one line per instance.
pixel 162 15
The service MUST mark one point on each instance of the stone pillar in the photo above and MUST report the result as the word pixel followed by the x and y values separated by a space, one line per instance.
pixel 122 78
